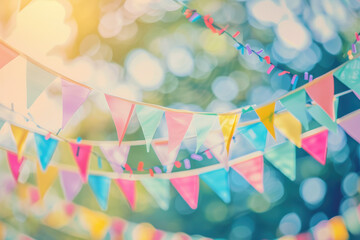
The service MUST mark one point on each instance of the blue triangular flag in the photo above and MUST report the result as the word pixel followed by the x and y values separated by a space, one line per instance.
pixel 218 181
pixel 100 186
pixel 45 149
pixel 255 134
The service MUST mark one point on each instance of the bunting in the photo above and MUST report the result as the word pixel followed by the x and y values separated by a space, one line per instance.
pixel 188 188
pixel 6 55
pixel 289 126
pixel 81 153
pixel 349 75
pixel 45 179
pixel 159 189
pixel 203 124
pixel 71 184
pixel 45 149
pixel 228 124
pixel 316 146
pixel 100 185
pixel 218 181
pixel 121 112
pixel 116 156
pixel 266 115
pixel 178 124
pixel 14 164
pixel 127 187
pixel 20 136
pixel 295 103
pixel 351 126
pixel 166 158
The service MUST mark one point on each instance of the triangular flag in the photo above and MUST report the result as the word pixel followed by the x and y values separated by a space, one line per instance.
pixel 349 75
pixel 322 118
pixel 121 112
pixel 45 149
pixel 289 126
pixel 188 188
pixel 256 135
pixel 351 126
pixel 218 181
pixel 159 189
pixel 252 171
pixel 100 185
pixel 20 136
pixel 37 80
pixel 283 158
pixel 266 115
pixel 215 143
pixel 316 145
pixel 81 153
pixel 1 123
pixel 203 123
pixel 295 103
pixel 45 179
pixel 73 96
pixel 14 164
pixel 6 55
pixel 322 92
pixel 116 156
pixel 149 119
pixel 166 158
pixel 127 187
pixel 96 223
pixel 178 124
pixel 71 183
pixel 228 124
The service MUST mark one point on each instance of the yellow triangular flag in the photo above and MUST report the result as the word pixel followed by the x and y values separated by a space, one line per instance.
pixel 45 179
pixel 97 223
pixel 266 115
pixel 289 126
pixel 228 124
pixel 20 136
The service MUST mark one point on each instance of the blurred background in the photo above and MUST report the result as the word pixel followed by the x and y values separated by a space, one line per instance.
pixel 146 50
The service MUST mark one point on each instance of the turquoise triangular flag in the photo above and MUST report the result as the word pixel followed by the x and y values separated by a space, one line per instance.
pixel 322 118
pixel 1 123
pixel 283 158
pixel 149 119
pixel 45 149
pixel 255 134
pixel 159 189
pixel 203 124
pixel 100 186
pixel 349 75
pixel 295 103
pixel 37 80
pixel 336 106
pixel 218 181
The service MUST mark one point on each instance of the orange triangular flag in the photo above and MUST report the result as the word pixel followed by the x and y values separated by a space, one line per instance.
pixel 20 136
pixel 266 115
pixel 228 124
pixel 45 179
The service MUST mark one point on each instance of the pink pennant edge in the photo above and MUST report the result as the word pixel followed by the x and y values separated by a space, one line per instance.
pixel 188 188
pixel 312 144
pixel 82 160
pixel 128 188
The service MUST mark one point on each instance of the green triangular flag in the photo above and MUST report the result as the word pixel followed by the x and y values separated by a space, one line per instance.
pixel 159 189
pixel 149 119
pixel 37 80
pixel 323 118
pixel 283 158
pixel 349 75
pixel 296 105
pixel 203 124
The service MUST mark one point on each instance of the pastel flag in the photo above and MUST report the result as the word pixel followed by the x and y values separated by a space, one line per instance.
pixel 45 149
pixel 71 184
pixel 6 55
pixel 322 92
pixel 81 153
pixel 188 188
pixel 20 136
pixel 159 189
pixel 45 179
pixel 178 124
pixel 252 171
pixel 166 158
pixel 316 145
pixel 37 80
pixel 228 124
pixel 351 126
pixel 218 181
pixel 100 185
pixel 14 164
pixel 96 223
pixel 256 135
pixel 322 118
pixel 203 123
pixel 1 123
pixel 295 103
pixel 349 75
pixel 149 119
pixel 289 126
pixel 266 115
pixel 215 142
pixel 116 156
pixel 127 187
pixel 283 158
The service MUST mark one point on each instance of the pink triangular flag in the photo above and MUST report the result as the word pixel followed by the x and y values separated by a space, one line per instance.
pixel 215 143
pixel 14 164
pixel 73 96
pixel 316 146
pixel 71 183
pixel 128 189
pixel 177 123
pixel 6 55
pixel 322 92
pixel 166 158
pixel 121 113
pixel 116 156
pixel 188 188
pixel 351 126
pixel 81 153
pixel 252 170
